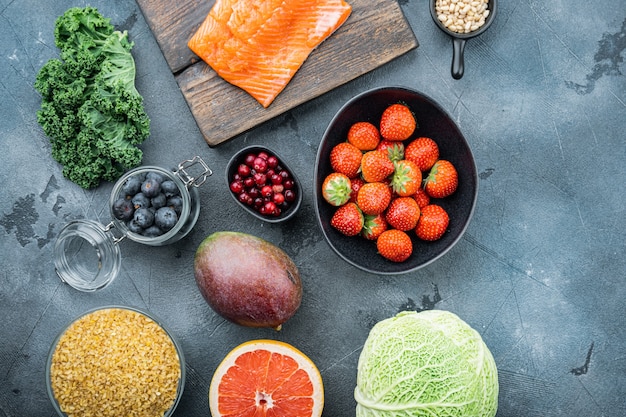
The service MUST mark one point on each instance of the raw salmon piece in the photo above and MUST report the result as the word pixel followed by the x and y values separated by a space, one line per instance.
pixel 258 45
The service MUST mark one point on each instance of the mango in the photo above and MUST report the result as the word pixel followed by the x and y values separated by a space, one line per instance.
pixel 247 280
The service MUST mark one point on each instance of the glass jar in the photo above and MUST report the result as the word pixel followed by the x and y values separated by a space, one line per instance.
pixel 86 252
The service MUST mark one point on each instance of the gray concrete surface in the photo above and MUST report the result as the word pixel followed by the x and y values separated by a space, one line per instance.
pixel 540 272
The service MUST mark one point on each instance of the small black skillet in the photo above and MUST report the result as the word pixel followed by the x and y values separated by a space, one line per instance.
pixel 459 39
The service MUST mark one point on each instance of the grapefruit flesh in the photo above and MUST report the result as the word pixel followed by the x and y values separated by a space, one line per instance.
pixel 266 378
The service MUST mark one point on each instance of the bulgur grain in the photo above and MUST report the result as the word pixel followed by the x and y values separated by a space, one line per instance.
pixel 115 362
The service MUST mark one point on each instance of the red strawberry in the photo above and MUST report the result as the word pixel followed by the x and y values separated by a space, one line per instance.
pixel 423 151
pixel 394 245
pixel 364 136
pixel 403 213
pixel 376 166
pixel 373 197
pixel 336 188
pixel 433 223
pixel 394 149
pixel 356 184
pixel 397 123
pixel 373 226
pixel 346 159
pixel 442 180
pixel 348 219
pixel 407 178
pixel 421 197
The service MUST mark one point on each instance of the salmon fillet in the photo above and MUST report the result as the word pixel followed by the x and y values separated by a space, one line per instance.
pixel 258 45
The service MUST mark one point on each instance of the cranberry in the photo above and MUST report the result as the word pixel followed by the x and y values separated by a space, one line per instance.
pixel 258 202
pixel 244 197
pixel 290 196
pixel 254 192
pixel 260 164
pixel 250 159
pixel 276 179
pixel 248 182
pixel 285 174
pixel 260 179
pixel 243 170
pixel 267 191
pixel 272 161
pixel 236 186
pixel 263 155
pixel 288 184
pixel 269 207
pixel 279 198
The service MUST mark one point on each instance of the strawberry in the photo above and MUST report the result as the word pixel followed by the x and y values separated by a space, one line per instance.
pixel 348 219
pixel 421 197
pixel 345 158
pixel 373 226
pixel 395 245
pixel 423 151
pixel 433 223
pixel 403 213
pixel 394 149
pixel 376 166
pixel 407 178
pixel 356 184
pixel 336 188
pixel 442 180
pixel 364 136
pixel 397 123
pixel 373 197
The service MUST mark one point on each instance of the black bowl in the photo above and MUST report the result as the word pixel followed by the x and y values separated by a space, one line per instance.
pixel 231 170
pixel 433 122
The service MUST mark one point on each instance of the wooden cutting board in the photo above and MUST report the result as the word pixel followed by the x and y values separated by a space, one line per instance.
pixel 375 33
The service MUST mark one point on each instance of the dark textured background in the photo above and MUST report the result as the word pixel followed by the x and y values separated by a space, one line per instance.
pixel 539 273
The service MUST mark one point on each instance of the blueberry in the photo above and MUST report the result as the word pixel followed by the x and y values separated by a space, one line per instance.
pixel 123 209
pixel 158 201
pixel 132 185
pixel 150 187
pixel 170 188
pixel 143 217
pixel 165 218
pixel 152 231
pixel 157 176
pixel 139 200
pixel 175 203
pixel 134 227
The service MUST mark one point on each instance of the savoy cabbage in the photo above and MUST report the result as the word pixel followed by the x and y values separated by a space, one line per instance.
pixel 429 364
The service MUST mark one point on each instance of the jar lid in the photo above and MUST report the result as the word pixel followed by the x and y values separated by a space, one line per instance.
pixel 86 255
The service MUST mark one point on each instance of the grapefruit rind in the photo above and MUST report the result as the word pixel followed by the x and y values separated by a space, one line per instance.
pixel 273 346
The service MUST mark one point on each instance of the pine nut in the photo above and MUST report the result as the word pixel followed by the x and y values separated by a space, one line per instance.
pixel 462 16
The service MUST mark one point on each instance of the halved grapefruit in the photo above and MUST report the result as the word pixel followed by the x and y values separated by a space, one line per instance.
pixel 266 378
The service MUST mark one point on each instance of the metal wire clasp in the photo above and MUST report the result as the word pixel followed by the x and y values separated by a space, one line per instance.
pixel 189 180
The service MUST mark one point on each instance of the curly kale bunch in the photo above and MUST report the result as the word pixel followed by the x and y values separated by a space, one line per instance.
pixel 90 107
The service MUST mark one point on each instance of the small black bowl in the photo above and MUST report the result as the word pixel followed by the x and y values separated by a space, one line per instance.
pixel 231 170
pixel 433 122
pixel 459 39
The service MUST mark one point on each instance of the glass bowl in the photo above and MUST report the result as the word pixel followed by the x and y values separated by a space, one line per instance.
pixel 96 339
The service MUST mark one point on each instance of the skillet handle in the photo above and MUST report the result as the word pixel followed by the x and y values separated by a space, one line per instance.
pixel 458 65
